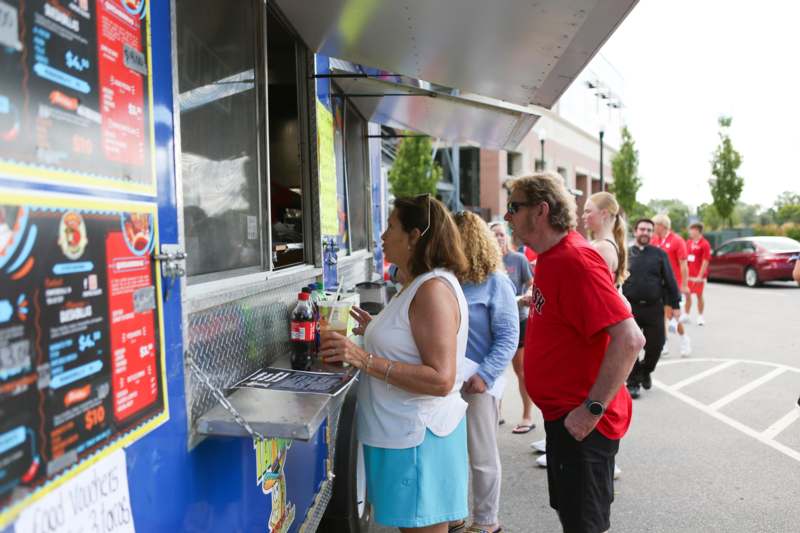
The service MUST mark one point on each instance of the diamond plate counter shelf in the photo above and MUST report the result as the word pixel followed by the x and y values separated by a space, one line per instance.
pixel 274 414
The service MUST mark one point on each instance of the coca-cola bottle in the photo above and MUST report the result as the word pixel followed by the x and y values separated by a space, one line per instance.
pixel 303 334
pixel 314 299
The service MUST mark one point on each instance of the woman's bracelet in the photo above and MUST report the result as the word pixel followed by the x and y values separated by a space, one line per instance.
pixel 388 369
pixel 368 363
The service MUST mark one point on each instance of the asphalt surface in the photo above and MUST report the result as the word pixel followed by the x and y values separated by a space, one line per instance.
pixel 713 447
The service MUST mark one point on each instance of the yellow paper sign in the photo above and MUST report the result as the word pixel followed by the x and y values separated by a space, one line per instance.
pixel 327 172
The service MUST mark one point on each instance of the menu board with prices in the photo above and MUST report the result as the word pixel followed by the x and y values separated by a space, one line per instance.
pixel 75 93
pixel 81 358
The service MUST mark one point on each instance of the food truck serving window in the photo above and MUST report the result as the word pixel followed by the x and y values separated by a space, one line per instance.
pixel 241 162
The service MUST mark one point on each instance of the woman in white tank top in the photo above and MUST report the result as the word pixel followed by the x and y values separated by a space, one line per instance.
pixel 410 411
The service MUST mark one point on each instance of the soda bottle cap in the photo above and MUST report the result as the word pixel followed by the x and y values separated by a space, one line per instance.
pixel 303 296
pixel 307 289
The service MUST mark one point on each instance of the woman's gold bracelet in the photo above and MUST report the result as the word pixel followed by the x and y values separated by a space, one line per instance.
pixel 369 363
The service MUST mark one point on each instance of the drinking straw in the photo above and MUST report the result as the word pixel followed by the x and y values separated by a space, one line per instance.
pixel 338 291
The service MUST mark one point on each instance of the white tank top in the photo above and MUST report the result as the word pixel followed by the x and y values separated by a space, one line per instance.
pixel 390 417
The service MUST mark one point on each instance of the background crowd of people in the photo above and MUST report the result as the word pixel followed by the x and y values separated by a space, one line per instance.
pixel 571 317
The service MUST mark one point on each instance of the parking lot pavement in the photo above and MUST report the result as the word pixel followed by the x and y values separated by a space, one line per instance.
pixel 714 446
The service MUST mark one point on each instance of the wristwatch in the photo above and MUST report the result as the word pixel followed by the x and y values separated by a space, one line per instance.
pixel 594 407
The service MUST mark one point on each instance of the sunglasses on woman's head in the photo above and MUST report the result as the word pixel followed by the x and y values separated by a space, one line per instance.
pixel 428 196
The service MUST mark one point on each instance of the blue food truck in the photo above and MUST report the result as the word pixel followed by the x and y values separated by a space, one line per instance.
pixel 172 172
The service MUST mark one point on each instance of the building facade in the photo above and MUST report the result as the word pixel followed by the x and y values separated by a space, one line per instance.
pixel 566 140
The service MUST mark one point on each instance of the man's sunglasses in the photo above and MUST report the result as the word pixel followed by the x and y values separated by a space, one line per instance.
pixel 514 207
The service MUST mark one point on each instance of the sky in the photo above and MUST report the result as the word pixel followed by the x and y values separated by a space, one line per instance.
pixel 684 64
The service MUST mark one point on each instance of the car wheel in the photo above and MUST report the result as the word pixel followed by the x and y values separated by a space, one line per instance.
pixel 751 277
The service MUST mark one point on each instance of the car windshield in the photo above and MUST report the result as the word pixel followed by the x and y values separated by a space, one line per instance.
pixel 779 244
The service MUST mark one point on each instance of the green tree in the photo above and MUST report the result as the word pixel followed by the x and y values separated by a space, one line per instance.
pixel 788 213
pixel 787 198
pixel 414 171
pixel 747 214
pixel 709 217
pixel 787 208
pixel 677 211
pixel 639 210
pixel 625 168
pixel 726 185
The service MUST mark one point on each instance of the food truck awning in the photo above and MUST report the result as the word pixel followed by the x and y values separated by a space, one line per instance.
pixel 516 50
pixel 401 103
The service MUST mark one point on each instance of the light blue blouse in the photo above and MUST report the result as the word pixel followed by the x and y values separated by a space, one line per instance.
pixel 493 325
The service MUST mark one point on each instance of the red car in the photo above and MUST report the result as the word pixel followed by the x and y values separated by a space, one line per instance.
pixel 755 260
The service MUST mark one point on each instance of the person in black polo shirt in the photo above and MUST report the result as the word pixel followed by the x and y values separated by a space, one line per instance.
pixel 649 283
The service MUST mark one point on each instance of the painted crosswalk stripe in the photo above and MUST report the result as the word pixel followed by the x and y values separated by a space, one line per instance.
pixel 775 429
pixel 741 391
pixel 703 375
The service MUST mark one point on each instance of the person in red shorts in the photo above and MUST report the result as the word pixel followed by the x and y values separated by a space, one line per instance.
pixel 580 345
pixel 698 255
pixel 675 247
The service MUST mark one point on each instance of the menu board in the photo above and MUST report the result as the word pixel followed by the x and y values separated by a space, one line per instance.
pixel 81 354
pixel 75 93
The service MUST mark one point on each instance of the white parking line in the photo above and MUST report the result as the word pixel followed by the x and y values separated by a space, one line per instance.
pixel 741 391
pixel 773 431
pixel 722 360
pixel 703 375
pixel 767 436
pixel 789 452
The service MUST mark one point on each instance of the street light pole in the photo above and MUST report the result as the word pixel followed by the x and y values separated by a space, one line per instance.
pixel 602 179
pixel 541 144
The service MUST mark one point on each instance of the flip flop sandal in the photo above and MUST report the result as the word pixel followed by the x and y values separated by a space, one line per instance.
pixel 457 528
pixel 473 529
pixel 521 429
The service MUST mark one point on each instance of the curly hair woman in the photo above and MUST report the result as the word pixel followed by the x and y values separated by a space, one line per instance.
pixel 492 342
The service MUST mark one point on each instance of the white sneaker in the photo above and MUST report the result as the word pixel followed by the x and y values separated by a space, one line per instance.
pixel 542 461
pixel 686 346
pixel 617 472
pixel 684 319
pixel 673 325
pixel 700 321
pixel 539 445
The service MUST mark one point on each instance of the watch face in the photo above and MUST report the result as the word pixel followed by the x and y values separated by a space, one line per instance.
pixel 596 408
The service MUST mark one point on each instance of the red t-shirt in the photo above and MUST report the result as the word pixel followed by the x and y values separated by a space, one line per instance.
pixel 574 301
pixel 697 252
pixel 675 247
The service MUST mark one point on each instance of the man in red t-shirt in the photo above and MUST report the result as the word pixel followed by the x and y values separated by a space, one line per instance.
pixel 698 256
pixel 580 345
pixel 675 247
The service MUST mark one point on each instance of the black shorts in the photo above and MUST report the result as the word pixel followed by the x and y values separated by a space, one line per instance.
pixel 580 478
pixel 521 341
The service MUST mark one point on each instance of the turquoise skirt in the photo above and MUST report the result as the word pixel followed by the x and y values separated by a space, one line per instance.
pixel 421 486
